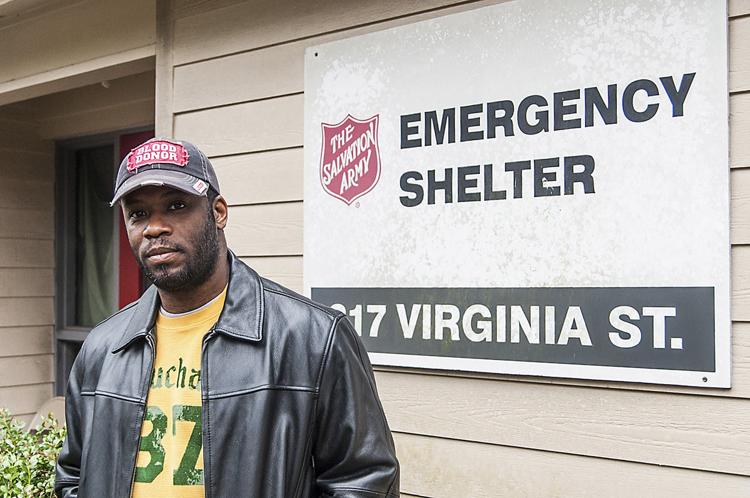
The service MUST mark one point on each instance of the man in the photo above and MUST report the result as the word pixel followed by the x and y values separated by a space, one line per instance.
pixel 216 382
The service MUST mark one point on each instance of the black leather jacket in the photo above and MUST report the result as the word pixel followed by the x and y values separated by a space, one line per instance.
pixel 289 404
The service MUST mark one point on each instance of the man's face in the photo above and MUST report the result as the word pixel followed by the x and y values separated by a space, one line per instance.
pixel 173 236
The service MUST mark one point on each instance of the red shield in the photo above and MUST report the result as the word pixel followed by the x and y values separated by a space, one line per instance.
pixel 350 158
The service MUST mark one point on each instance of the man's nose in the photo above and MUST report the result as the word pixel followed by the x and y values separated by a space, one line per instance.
pixel 156 227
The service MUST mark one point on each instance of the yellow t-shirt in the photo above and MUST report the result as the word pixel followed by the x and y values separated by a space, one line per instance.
pixel 170 461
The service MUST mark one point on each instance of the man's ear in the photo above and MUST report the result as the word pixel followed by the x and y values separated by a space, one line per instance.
pixel 221 212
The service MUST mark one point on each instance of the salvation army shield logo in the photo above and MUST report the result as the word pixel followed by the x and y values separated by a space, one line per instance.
pixel 350 158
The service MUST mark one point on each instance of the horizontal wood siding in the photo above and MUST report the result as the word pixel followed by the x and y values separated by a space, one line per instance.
pixel 26 265
pixel 739 129
pixel 279 70
pixel 128 102
pixel 264 177
pixel 24 399
pixel 25 370
pixel 248 25
pixel 740 208
pixel 286 270
pixel 739 62
pixel 649 427
pixel 739 8
pixel 26 253
pixel 26 223
pixel 447 468
pixel 78 32
pixel 26 164
pixel 236 89
pixel 741 283
pixel 26 340
pixel 15 311
pixel 28 193
pixel 135 114
pixel 26 282
pixel 266 229
pixel 248 127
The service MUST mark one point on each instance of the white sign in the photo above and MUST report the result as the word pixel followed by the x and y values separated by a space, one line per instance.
pixel 532 187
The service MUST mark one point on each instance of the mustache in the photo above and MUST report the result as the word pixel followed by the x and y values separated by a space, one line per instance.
pixel 162 245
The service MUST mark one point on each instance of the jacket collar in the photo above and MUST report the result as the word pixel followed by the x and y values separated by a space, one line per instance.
pixel 242 316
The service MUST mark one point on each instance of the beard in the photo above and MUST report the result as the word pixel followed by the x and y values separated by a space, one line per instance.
pixel 196 270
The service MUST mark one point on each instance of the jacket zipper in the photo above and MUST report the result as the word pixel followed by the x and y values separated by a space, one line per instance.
pixel 204 410
pixel 152 343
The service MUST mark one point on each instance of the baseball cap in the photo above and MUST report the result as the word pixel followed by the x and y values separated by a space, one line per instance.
pixel 163 162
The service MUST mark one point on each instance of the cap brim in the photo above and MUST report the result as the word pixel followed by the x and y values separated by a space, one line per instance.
pixel 159 178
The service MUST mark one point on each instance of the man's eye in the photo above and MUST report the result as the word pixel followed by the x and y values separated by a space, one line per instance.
pixel 177 205
pixel 139 213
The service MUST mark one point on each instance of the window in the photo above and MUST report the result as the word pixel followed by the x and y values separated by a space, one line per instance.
pixel 95 272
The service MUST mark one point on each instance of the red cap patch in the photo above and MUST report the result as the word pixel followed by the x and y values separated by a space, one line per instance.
pixel 157 151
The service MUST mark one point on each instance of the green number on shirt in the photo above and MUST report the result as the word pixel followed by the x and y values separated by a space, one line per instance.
pixel 186 473
pixel 152 445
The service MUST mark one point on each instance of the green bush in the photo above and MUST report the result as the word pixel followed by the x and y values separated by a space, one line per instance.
pixel 27 459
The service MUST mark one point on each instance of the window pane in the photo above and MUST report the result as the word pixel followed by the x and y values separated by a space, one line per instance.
pixel 95 232
pixel 72 349
pixel 66 354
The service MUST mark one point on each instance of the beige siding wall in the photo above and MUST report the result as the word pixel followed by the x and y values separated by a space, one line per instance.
pixel 26 265
pixel 124 103
pixel 234 85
